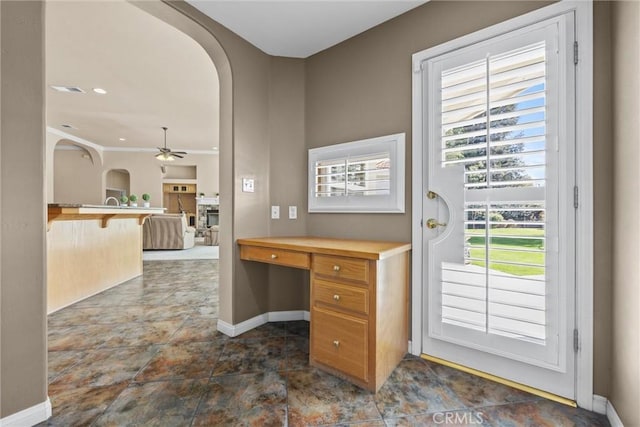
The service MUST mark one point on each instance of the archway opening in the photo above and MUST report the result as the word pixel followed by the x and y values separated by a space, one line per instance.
pixel 118 184
pixel 130 160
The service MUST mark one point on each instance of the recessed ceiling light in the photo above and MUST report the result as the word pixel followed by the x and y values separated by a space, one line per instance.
pixel 68 89
pixel 215 148
pixel 122 139
pixel 99 90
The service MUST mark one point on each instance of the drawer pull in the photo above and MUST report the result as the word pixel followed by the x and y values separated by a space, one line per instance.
pixel 336 343
pixel 274 256
pixel 336 268
pixel 336 297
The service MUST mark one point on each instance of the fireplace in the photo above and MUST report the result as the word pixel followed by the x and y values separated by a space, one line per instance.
pixel 213 217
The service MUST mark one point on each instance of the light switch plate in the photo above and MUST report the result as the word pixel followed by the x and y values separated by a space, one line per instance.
pixel 275 212
pixel 248 185
pixel 293 212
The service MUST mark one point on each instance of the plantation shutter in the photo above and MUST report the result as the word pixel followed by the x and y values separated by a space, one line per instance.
pixel 367 175
pixel 493 123
pixel 358 176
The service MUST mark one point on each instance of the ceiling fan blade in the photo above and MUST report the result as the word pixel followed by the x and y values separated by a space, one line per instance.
pixel 179 152
pixel 177 155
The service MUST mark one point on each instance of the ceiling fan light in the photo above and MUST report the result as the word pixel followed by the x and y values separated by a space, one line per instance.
pixel 165 153
pixel 164 157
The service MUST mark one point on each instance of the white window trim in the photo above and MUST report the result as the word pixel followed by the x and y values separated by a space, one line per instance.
pixel 392 203
pixel 584 178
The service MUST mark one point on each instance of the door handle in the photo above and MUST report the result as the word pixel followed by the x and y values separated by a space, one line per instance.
pixel 432 223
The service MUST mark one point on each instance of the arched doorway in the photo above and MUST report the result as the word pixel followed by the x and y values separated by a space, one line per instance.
pixel 173 16
pixel 118 184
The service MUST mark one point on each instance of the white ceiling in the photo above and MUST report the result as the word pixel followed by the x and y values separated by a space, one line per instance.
pixel 154 75
pixel 157 76
pixel 301 28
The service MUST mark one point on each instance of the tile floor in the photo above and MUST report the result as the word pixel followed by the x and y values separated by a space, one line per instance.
pixel 147 353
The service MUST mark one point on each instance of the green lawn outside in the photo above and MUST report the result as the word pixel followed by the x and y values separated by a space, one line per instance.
pixel 500 250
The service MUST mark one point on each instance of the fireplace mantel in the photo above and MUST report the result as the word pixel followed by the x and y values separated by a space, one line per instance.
pixel 208 200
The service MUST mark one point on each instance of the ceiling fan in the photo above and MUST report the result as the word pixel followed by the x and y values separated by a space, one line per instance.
pixel 165 153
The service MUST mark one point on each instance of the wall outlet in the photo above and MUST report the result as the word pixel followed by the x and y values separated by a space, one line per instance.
pixel 248 185
pixel 293 212
pixel 275 212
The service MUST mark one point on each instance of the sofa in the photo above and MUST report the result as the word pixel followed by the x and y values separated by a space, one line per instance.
pixel 167 231
pixel 211 235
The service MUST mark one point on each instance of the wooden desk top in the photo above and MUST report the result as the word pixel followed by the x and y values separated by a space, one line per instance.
pixel 367 249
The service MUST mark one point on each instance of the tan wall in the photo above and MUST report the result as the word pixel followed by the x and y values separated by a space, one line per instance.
pixel 625 379
pixel 362 88
pixel 603 198
pixel 118 180
pixel 145 175
pixel 77 179
pixel 23 352
pixel 288 287
pixel 180 172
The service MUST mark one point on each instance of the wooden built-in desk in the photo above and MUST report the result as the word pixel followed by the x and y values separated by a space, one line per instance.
pixel 359 301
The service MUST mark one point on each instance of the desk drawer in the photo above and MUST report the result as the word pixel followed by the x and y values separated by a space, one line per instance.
pixel 275 256
pixel 340 342
pixel 341 268
pixel 342 297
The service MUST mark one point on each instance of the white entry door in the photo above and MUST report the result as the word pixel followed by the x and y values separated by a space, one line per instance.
pixel 498 228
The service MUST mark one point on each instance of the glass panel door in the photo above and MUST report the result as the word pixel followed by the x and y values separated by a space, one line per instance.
pixel 499 283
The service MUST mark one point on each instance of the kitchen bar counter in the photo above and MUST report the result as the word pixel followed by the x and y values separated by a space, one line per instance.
pixel 68 212
pixel 91 248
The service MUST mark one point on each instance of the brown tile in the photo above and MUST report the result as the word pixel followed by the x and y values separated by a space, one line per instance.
pixel 99 345
pixel 199 329
pixel 106 366
pixel 544 413
pixel 141 333
pixel 271 329
pixel 465 418
pixel 412 388
pixel 297 349
pixel 474 391
pixel 317 398
pixel 162 403
pixel 60 361
pixel 249 399
pixel 182 361
pixel 78 337
pixel 298 327
pixel 80 406
pixel 251 355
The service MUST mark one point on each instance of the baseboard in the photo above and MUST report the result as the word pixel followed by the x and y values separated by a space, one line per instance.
pixel 599 404
pixel 286 316
pixel 28 417
pixel 259 320
pixel 602 405
pixel 612 416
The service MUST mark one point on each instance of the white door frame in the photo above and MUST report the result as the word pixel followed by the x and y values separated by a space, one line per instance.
pixel 584 179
